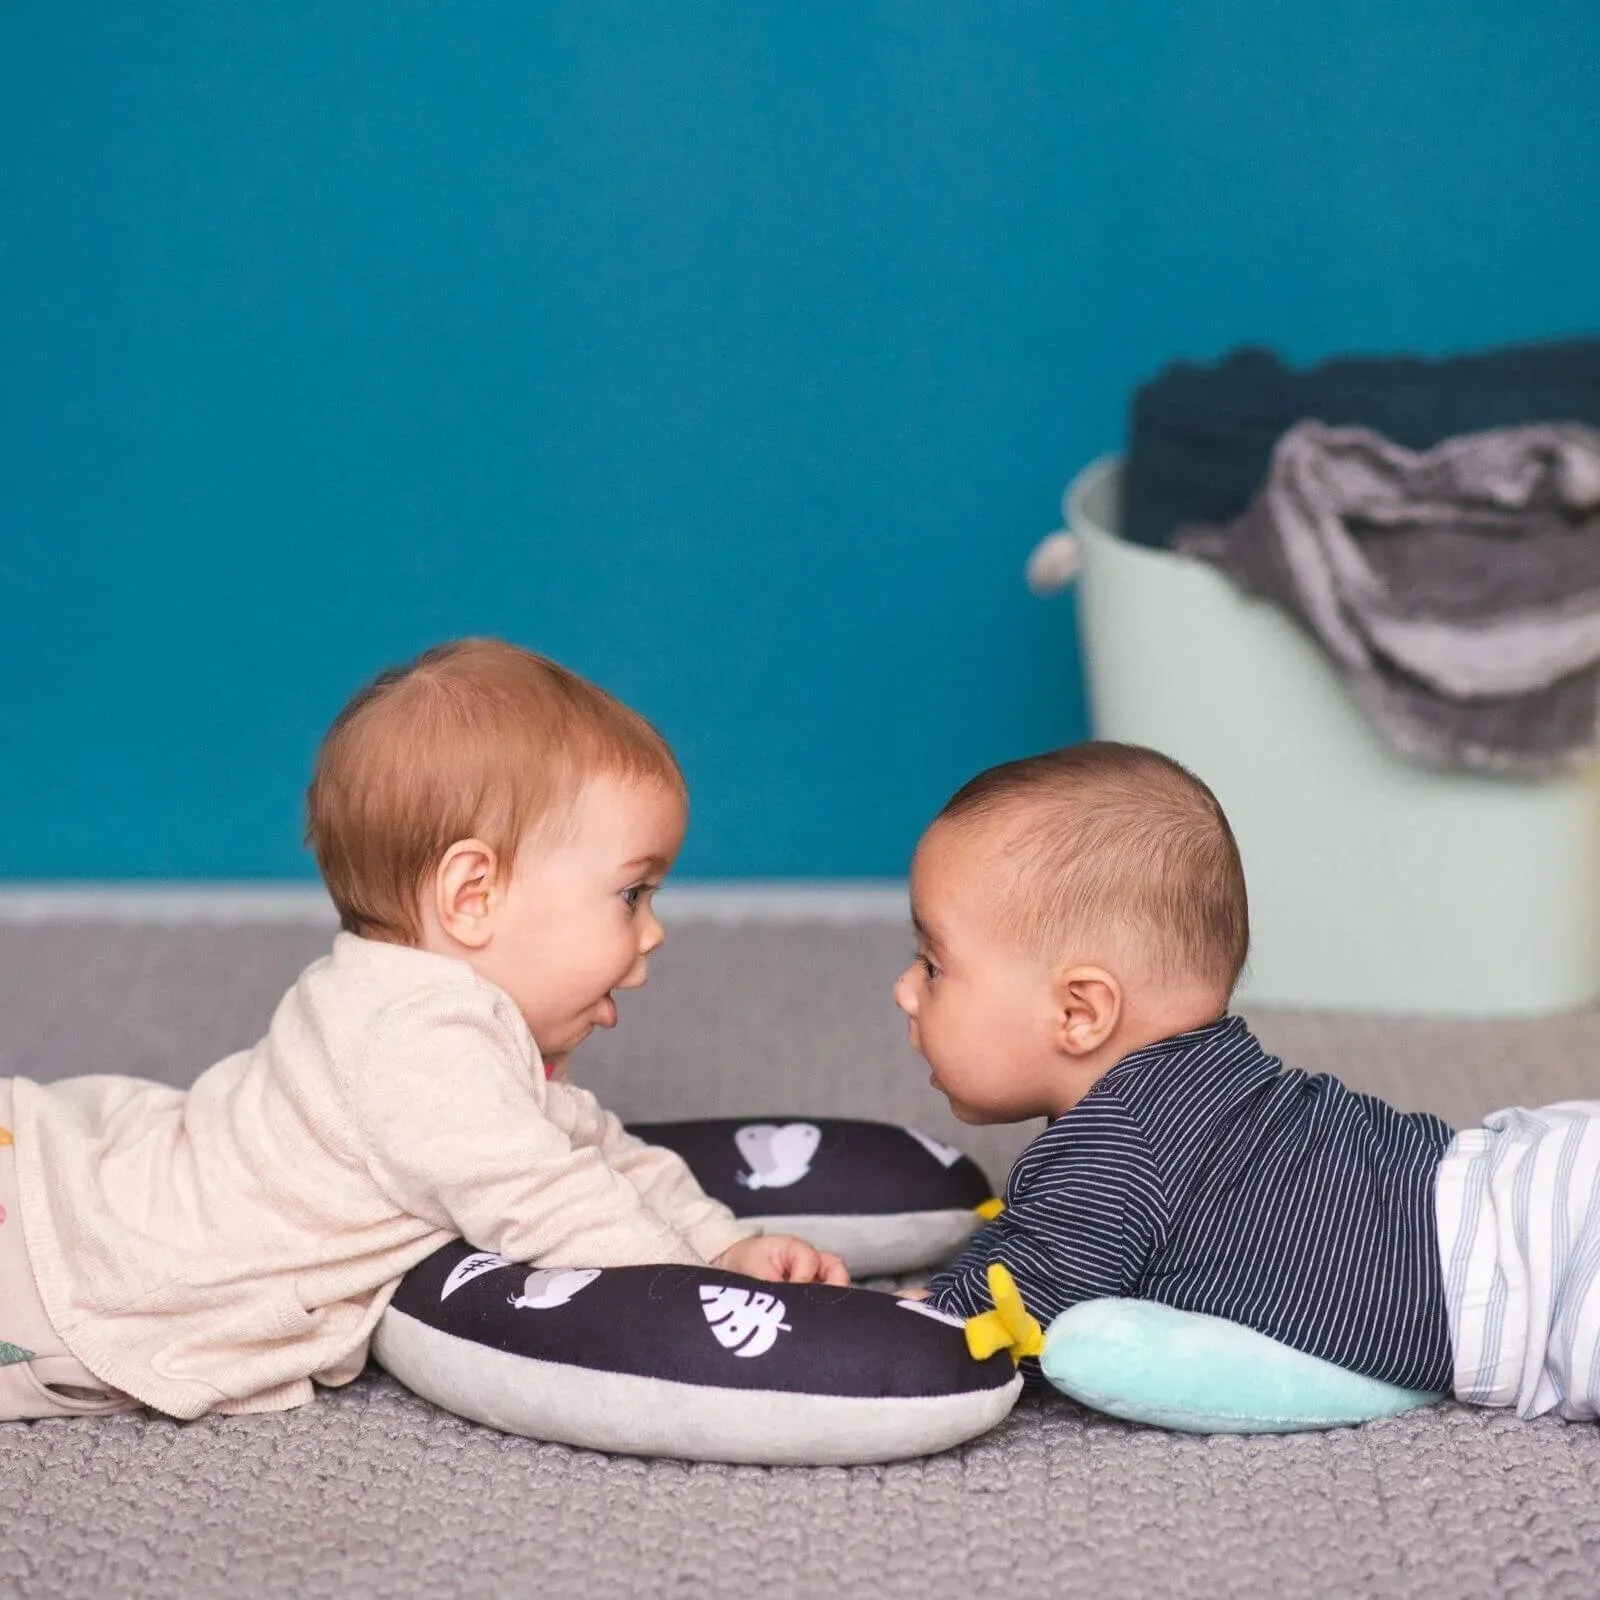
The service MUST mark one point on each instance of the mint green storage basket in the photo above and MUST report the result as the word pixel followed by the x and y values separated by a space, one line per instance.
pixel 1375 884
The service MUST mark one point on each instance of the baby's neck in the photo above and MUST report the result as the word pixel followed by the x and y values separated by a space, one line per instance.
pixel 1143 1023
pixel 1167 1016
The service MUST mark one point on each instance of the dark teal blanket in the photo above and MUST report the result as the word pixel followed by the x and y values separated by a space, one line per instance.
pixel 1201 437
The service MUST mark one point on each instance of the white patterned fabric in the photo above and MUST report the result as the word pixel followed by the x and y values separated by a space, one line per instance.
pixel 1517 1204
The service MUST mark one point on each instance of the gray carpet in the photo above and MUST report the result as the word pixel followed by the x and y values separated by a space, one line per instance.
pixel 372 1493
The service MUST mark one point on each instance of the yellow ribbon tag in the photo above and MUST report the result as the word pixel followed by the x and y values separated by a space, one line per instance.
pixel 991 1208
pixel 1008 1326
pixel 5 1137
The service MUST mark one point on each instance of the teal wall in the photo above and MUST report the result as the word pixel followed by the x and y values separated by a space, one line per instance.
pixel 733 353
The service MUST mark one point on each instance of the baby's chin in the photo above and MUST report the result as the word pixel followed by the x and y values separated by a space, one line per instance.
pixel 986 1116
pixel 973 1116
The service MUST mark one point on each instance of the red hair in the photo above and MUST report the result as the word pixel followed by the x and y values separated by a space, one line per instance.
pixel 474 739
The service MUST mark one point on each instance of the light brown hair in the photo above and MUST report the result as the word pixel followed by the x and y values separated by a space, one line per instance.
pixel 1114 837
pixel 473 739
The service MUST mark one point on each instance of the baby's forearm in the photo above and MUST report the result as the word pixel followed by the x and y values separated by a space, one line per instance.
pixel 623 1227
pixel 672 1191
pixel 607 1241
pixel 568 1210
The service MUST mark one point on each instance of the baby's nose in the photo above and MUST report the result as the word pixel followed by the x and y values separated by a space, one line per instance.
pixel 905 995
pixel 638 975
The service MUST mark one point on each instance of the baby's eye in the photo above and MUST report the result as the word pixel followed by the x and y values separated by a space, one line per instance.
pixel 929 970
pixel 632 895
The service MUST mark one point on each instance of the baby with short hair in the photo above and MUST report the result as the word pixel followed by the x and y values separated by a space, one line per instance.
pixel 492 829
pixel 1081 921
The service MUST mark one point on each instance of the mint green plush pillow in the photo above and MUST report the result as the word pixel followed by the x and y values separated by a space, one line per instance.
pixel 1179 1369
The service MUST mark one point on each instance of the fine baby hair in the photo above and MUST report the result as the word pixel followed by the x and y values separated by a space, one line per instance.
pixel 1116 838
pixel 476 738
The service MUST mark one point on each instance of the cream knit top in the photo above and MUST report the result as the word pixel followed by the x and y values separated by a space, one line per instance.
pixel 218 1248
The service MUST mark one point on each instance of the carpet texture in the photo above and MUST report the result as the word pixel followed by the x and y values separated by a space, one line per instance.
pixel 371 1493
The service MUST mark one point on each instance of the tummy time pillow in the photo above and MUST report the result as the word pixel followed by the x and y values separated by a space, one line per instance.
pixel 1151 1363
pixel 689 1361
pixel 1198 1374
pixel 886 1198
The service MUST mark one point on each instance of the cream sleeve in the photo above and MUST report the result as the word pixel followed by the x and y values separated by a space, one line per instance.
pixel 662 1177
pixel 454 1132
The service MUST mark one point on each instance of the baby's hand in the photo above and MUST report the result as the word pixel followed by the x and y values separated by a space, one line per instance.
pixel 784 1259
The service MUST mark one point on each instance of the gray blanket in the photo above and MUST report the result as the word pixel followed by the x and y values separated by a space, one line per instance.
pixel 1200 435
pixel 1456 589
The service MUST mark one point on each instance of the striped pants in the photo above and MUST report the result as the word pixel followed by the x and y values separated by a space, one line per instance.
pixel 1517 1203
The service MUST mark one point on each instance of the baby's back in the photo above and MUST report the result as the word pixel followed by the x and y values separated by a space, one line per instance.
pixel 198 1246
pixel 1302 1209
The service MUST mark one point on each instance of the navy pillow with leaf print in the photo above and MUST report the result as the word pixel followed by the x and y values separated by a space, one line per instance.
pixel 689 1361
pixel 886 1198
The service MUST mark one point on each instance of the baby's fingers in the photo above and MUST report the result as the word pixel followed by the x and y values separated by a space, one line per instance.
pixel 829 1269
pixel 801 1263
pixel 832 1269
pixel 807 1264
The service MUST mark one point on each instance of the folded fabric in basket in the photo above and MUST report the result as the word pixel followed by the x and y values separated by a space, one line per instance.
pixel 1200 437
pixel 1457 590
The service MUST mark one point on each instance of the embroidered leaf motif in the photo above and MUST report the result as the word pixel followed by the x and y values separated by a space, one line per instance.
pixel 744 1321
pixel 473 1266
pixel 11 1354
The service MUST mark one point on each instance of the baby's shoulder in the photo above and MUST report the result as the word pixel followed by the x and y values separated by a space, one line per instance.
pixel 1117 1107
pixel 365 990
pixel 1105 1127
pixel 468 1010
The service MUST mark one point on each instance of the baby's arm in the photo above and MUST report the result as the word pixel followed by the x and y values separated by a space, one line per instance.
pixel 1085 1211
pixel 674 1194
pixel 454 1133
pixel 662 1178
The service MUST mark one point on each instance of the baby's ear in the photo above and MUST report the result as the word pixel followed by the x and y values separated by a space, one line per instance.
pixel 463 891
pixel 1088 1006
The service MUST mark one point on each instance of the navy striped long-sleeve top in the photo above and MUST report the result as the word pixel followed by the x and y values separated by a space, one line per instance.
pixel 1204 1174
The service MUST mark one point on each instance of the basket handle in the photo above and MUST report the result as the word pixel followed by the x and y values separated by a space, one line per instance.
pixel 1054 563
